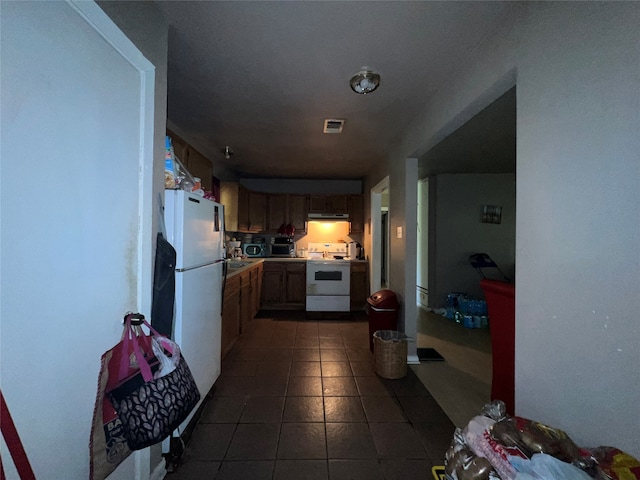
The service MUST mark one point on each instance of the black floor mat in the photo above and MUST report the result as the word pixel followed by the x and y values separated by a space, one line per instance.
pixel 429 355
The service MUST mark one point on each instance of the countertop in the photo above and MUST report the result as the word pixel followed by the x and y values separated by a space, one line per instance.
pixel 238 265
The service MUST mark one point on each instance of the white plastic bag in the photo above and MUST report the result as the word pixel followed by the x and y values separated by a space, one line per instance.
pixel 545 467
pixel 168 363
pixel 478 436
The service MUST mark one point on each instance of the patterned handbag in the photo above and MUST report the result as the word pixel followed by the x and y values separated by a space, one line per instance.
pixel 151 405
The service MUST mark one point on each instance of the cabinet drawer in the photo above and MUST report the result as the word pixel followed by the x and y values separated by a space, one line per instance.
pixel 296 267
pixel 274 266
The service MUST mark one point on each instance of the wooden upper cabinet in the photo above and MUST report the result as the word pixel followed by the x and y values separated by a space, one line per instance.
pixel 328 203
pixel 276 211
pixel 200 166
pixel 356 213
pixel 285 209
pixel 197 164
pixel 338 204
pixel 317 203
pixel 180 147
pixel 297 212
pixel 244 210
pixel 257 212
pixel 242 202
pixel 235 199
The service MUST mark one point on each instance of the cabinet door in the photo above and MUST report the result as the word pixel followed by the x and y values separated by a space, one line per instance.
pixel 257 212
pixel 297 209
pixel 200 166
pixel 317 203
pixel 180 147
pixel 276 212
pixel 328 203
pixel 259 276
pixel 243 209
pixel 255 293
pixel 229 195
pixel 246 313
pixel 273 284
pixel 296 288
pixel 230 314
pixel 359 286
pixel 338 204
pixel 356 213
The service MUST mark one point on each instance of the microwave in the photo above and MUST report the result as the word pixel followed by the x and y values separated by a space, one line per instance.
pixel 258 250
pixel 282 247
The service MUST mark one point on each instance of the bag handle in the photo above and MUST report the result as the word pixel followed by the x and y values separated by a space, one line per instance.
pixel 133 334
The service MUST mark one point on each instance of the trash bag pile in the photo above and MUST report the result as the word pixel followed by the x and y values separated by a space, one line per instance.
pixel 495 446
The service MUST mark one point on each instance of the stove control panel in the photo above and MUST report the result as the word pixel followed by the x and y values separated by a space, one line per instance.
pixel 327 250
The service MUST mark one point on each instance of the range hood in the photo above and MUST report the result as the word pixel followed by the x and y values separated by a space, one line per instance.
pixel 329 216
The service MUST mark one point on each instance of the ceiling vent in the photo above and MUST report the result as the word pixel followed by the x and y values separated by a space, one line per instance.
pixel 333 125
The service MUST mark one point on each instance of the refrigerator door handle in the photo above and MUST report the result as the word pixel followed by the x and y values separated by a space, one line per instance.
pixel 180 270
pixel 224 282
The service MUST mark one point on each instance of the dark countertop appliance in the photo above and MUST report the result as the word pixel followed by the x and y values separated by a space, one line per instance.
pixel 282 247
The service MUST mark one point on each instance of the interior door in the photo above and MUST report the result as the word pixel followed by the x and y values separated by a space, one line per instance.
pixel 76 206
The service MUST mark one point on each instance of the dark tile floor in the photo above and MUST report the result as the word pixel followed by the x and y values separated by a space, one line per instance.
pixel 300 399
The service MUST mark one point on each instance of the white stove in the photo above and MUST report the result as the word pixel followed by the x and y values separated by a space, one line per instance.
pixel 327 251
pixel 328 278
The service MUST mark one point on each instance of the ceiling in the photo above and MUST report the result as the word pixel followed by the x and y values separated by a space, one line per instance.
pixel 262 77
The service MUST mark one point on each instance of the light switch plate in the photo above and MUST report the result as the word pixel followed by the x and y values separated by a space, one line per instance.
pixel 399 232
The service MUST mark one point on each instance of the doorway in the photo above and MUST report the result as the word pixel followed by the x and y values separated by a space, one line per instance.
pixel 422 252
pixel 385 246
pixel 379 236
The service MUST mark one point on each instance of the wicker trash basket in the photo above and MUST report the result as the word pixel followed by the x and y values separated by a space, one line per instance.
pixel 390 352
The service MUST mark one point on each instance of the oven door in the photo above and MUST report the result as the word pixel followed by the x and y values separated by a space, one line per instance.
pixel 328 278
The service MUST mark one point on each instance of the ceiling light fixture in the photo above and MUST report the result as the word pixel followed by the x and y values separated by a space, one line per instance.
pixel 227 151
pixel 365 81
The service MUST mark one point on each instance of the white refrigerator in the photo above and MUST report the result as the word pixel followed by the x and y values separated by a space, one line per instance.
pixel 195 228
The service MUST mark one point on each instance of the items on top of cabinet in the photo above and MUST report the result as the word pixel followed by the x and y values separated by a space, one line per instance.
pixel 176 175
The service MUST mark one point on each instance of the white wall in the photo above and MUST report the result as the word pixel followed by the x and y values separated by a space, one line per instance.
pixel 578 206
pixel 578 223
pixel 460 233
pixel 77 193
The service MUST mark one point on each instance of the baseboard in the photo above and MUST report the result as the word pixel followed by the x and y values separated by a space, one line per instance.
pixel 413 360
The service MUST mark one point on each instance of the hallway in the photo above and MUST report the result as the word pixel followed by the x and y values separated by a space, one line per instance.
pixel 299 399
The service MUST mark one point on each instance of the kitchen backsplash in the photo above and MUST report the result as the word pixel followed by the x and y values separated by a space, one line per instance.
pixel 316 232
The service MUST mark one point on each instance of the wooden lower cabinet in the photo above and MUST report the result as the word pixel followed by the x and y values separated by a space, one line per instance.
pixel 296 284
pixel 359 285
pixel 246 313
pixel 240 304
pixel 284 285
pixel 256 288
pixel 230 314
pixel 273 284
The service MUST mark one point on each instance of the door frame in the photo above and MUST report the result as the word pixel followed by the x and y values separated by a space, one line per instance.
pixel 98 20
